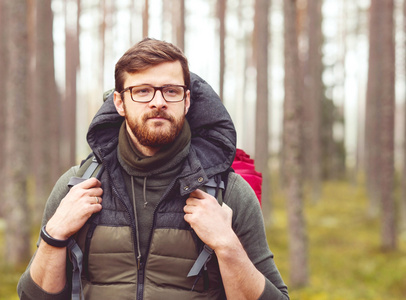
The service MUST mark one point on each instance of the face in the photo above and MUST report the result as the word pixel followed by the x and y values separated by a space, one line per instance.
pixel 157 123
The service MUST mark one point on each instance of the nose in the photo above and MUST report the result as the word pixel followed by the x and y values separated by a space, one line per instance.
pixel 158 101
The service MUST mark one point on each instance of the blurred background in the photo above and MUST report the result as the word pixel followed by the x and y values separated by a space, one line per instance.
pixel 316 89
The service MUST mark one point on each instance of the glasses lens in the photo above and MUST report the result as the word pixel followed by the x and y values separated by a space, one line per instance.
pixel 173 93
pixel 142 93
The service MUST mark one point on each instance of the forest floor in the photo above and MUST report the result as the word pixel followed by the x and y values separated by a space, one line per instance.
pixel 346 261
pixel 345 258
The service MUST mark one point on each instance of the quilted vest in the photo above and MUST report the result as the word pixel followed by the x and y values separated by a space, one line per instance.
pixel 108 241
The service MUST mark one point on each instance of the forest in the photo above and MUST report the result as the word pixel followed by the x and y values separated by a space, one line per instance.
pixel 316 90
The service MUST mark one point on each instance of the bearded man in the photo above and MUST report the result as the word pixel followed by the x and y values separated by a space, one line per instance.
pixel 147 220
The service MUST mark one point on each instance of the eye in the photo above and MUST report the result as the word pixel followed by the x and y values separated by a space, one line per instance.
pixel 142 91
pixel 172 91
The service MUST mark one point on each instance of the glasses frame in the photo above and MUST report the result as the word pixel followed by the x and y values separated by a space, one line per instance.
pixel 160 88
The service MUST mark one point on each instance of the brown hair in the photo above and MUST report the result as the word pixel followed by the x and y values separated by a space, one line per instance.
pixel 147 53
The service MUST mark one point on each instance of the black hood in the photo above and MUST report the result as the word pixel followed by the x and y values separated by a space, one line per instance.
pixel 213 133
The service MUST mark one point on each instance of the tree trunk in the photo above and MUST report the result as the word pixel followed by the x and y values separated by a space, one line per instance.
pixel 3 66
pixel 373 107
pixel 45 109
pixel 180 25
pixel 17 237
pixel 387 83
pixel 262 113
pixel 68 149
pixel 292 149
pixel 221 14
pixel 314 97
pixel 145 19
pixel 402 204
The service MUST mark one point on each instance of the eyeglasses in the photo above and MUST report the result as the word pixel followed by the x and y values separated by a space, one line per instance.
pixel 145 93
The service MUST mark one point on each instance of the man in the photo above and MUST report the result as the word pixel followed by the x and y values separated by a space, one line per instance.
pixel 143 223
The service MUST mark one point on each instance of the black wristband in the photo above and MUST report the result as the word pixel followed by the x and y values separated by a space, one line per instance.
pixel 51 241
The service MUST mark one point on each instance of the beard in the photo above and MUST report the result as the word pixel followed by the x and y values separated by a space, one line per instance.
pixel 157 134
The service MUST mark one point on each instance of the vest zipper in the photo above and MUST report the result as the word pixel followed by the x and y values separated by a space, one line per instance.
pixel 140 281
pixel 137 233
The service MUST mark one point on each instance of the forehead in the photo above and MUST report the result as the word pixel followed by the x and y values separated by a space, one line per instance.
pixel 158 75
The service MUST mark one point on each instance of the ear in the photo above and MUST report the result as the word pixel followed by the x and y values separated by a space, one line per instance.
pixel 119 104
pixel 187 101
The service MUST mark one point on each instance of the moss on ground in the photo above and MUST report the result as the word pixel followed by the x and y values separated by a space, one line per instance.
pixel 345 258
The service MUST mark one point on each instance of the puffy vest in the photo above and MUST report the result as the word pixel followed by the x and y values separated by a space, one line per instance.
pixel 108 242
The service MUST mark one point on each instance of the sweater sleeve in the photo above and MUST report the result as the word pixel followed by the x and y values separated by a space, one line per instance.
pixel 248 224
pixel 27 289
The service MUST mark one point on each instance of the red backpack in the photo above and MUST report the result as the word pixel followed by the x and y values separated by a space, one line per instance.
pixel 244 165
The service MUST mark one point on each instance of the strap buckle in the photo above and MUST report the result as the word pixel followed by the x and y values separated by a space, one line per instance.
pixel 201 260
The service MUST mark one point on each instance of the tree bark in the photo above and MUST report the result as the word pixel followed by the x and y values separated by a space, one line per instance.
pixel 402 204
pixel 72 62
pixel 221 14
pixel 3 66
pixel 145 19
pixel 292 149
pixel 262 113
pixel 373 107
pixel 45 109
pixel 17 234
pixel 314 97
pixel 387 83
pixel 180 25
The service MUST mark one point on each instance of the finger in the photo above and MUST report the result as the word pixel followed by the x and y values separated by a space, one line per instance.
pixel 95 208
pixel 193 201
pixel 97 200
pixel 199 194
pixel 89 183
pixel 98 192
pixel 100 200
pixel 188 209
pixel 94 199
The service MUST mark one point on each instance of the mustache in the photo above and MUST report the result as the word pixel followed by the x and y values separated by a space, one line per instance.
pixel 158 114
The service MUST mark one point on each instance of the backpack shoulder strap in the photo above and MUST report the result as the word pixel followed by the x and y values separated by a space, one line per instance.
pixel 216 188
pixel 76 258
pixel 213 188
pixel 89 167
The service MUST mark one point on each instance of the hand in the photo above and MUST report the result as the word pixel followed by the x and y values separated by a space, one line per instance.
pixel 210 221
pixel 75 209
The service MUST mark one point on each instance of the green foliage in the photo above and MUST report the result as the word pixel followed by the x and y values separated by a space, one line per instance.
pixel 8 276
pixel 345 259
